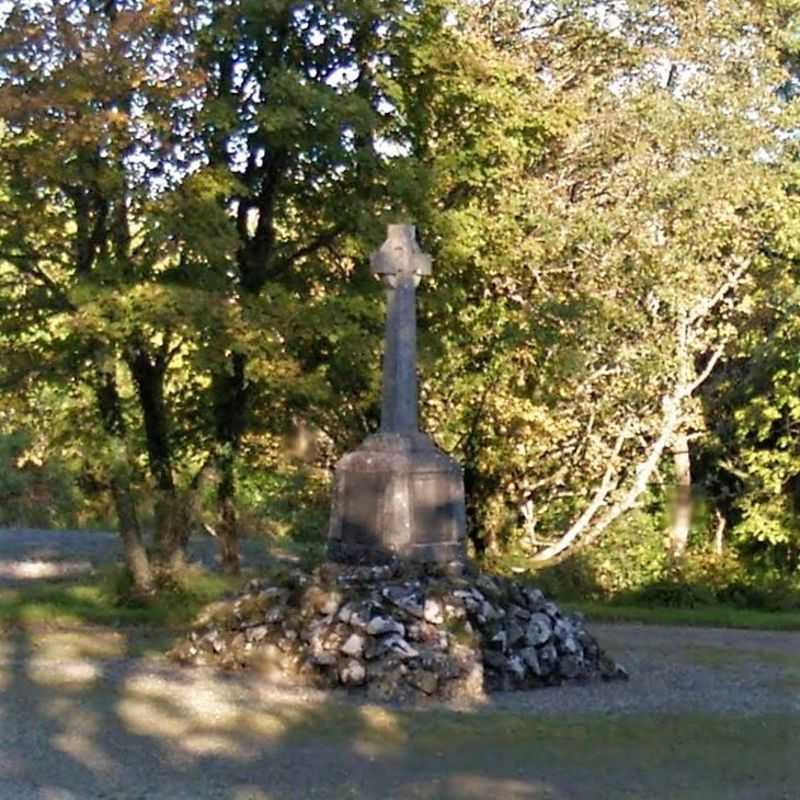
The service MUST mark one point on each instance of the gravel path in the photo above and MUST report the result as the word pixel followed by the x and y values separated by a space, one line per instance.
pixel 672 668
pixel 31 554
pixel 708 714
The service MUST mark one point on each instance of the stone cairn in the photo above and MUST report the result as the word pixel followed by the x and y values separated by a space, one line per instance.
pixel 397 611
pixel 399 633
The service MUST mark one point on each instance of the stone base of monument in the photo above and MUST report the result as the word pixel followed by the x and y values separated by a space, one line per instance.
pixel 398 633
pixel 397 497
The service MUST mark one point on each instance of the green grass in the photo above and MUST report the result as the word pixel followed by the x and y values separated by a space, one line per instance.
pixel 94 600
pixel 716 616
pixel 689 756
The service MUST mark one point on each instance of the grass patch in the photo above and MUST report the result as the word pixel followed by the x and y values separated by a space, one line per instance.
pixel 713 616
pixel 648 757
pixel 95 600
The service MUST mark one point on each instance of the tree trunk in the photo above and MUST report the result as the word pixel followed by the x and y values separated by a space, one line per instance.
pixel 108 403
pixel 228 524
pixel 149 373
pixel 230 410
pixel 682 504
pixel 135 554
pixel 170 520
pixel 719 532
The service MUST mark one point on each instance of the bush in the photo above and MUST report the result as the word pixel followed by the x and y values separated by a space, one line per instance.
pixel 32 494
pixel 672 592
pixel 291 504
pixel 631 564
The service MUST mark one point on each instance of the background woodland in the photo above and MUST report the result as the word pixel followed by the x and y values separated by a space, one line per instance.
pixel 610 341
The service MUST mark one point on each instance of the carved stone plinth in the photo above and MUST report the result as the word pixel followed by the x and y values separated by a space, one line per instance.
pixel 397 497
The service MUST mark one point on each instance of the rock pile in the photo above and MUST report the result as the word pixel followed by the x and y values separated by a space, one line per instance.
pixel 399 633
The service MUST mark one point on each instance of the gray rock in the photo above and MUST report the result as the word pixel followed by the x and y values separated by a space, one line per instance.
pixel 548 658
pixel 516 666
pixel 569 645
pixel 563 629
pixel 323 659
pixel 620 673
pixel 534 597
pixel 551 609
pixel 415 632
pixel 611 671
pixel 490 587
pixel 494 659
pixel 499 641
pixel 570 666
pixel 520 613
pixel 274 593
pixel 531 659
pixel 423 680
pixel 359 618
pixel 381 625
pixel 257 633
pixel 405 598
pixel 379 633
pixel 400 647
pixel 514 633
pixel 539 629
pixel 373 648
pixel 489 613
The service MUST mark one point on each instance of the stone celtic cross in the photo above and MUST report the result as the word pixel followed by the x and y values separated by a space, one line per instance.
pixel 400 263
pixel 398 497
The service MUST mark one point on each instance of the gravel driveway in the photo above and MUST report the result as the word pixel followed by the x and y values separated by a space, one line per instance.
pixel 30 553
pixel 707 714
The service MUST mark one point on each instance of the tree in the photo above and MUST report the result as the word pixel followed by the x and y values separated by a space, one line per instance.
pixel 603 253
pixel 88 114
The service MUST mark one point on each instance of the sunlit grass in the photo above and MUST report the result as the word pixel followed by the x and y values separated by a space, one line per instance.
pixel 716 616
pixel 97 600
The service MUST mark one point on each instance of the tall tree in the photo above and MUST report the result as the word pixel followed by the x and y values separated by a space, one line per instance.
pixel 604 227
pixel 90 98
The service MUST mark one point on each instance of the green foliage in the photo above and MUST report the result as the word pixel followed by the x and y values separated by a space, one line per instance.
pixel 34 493
pixel 610 205
pixel 289 504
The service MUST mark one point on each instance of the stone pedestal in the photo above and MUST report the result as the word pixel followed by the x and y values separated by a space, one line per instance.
pixel 397 497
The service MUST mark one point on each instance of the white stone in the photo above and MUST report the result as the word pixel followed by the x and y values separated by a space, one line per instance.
pixel 434 613
pixel 353 673
pixel 354 646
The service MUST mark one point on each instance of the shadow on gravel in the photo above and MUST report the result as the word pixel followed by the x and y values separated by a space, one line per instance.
pixel 83 716
pixel 80 718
